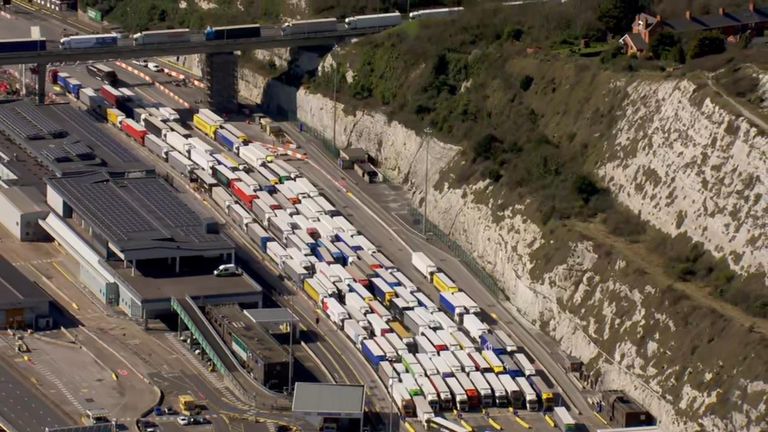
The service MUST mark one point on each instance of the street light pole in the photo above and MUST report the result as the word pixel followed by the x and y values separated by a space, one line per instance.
pixel 290 355
pixel 427 131
pixel 335 79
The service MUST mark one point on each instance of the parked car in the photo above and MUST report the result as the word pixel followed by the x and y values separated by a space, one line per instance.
pixel 141 62
pixel 183 420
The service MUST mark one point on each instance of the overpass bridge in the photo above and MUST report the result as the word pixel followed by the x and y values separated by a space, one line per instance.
pixel 220 65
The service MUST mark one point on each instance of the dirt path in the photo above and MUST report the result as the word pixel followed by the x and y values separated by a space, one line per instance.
pixel 746 112
pixel 654 267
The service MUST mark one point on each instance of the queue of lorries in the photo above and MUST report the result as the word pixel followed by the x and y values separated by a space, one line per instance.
pixel 248 31
pixel 430 357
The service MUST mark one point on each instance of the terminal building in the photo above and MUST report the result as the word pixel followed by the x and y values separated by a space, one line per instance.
pixel 267 361
pixel 23 304
pixel 21 208
pixel 139 244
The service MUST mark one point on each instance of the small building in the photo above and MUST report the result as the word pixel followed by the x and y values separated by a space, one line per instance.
pixel 257 351
pixel 731 24
pixel 348 157
pixel 623 411
pixel 58 5
pixel 23 304
pixel 21 208
pixel 341 405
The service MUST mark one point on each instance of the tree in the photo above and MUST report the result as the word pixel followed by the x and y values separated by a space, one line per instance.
pixel 707 44
pixel 616 15
pixel 526 82
pixel 663 44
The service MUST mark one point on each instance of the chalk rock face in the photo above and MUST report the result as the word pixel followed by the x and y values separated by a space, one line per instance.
pixel 681 162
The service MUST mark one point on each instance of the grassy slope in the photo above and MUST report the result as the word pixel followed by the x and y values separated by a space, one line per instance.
pixel 536 123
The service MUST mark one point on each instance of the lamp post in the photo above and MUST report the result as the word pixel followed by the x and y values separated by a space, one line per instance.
pixel 427 132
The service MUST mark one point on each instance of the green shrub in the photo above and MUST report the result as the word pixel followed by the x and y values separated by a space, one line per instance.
pixel 586 189
pixel 705 44
pixel 494 174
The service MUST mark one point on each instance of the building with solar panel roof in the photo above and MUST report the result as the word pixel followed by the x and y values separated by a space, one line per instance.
pixel 144 241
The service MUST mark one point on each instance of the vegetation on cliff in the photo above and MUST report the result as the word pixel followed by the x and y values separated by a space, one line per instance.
pixel 533 107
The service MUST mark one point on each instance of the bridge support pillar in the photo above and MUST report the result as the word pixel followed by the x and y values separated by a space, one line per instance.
pixel 220 73
pixel 42 71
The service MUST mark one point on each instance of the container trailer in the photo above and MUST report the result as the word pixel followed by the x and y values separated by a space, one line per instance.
pixel 465 342
pixel 366 245
pixel 267 198
pixel 347 256
pixel 134 130
pixel 179 129
pixel 413 321
pixel 157 146
pixel 115 116
pixel 161 36
pixel 322 25
pixel 467 365
pixel 246 31
pixel 353 300
pixel 259 235
pixel 225 138
pixel 382 290
pixel 450 360
pixel 324 255
pixel 242 137
pixel 205 125
pixel 295 241
pixel 480 362
pixel 446 323
pixel 218 194
pixel 335 311
pixel 378 326
pixel 368 260
pixel 169 114
pixel 262 211
pixel 22 45
pixel 473 396
pixel 531 400
pixel 409 381
pixel 490 342
pixel 88 41
pixel 223 175
pixel 443 283
pixel 423 264
pixel 404 281
pixel 564 421
pixel 102 73
pixel 361 291
pixel 448 340
pixel 426 363
pixel 92 100
pixel 396 343
pixel 111 94
pixel 514 395
pixel 372 352
pixel 240 215
pixel 403 400
pixel 387 374
pixel 505 341
pixel 292 172
pixel 295 270
pixel 177 142
pixel 451 305
pixel 458 394
pixel 425 346
pixel 374 21
pixel 405 336
pixel 499 393
pixel 434 339
pixel 424 411
pixel 486 393
pixel 412 365
pixel 474 326
pixel 308 186
pixel 154 126
pixel 379 309
pixel 427 318
pixel 277 253
pixel 242 191
pixel 389 352
pixel 425 302
pixel 467 302
pixel 355 332
pixel 180 163
pixel 525 364
pixel 430 394
pixel 203 160
pixel 546 394
pixel 387 277
pixel 443 392
pixel 399 307
pixel 314 289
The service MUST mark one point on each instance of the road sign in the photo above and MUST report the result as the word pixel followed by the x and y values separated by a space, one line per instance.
pixel 94 14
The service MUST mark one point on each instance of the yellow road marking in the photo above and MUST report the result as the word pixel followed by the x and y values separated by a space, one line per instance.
pixel 522 422
pixel 494 424
pixel 549 420
pixel 600 417
pixel 467 426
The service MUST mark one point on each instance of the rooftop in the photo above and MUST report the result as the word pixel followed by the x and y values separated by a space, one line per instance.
pixel 66 139
pixel 26 199
pixel 141 217
pixel 258 340
pixel 160 283
pixel 742 17
pixel 16 290
pixel 329 398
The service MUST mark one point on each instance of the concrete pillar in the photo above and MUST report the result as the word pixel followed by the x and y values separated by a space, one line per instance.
pixel 178 262
pixel 133 267
pixel 42 71
pixel 220 73
pixel 233 258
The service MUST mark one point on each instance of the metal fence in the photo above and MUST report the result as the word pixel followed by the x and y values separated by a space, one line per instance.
pixel 417 218
pixel 435 233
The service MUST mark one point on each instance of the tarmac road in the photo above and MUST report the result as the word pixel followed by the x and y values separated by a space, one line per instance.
pixel 23 406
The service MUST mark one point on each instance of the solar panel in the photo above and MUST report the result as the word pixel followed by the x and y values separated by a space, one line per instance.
pixel 78 149
pixel 166 204
pixel 95 136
